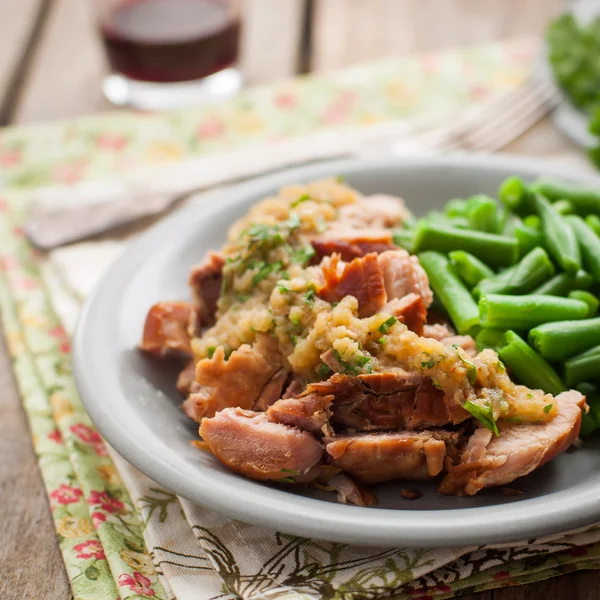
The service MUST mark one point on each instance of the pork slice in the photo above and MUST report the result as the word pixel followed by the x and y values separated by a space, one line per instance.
pixel 250 444
pixel 166 330
pixel 438 331
pixel 294 388
pixel 348 491
pixel 186 378
pixel 390 400
pixel 352 243
pixel 237 381
pixel 518 450
pixel 378 210
pixel 376 457
pixel 361 278
pixel 205 281
pixel 402 275
pixel 309 412
pixel 410 310
pixel 442 332
pixel 271 391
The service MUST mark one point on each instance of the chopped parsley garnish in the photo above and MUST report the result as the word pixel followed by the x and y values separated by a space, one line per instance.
pixel 282 289
pixel 300 200
pixel 309 297
pixel 501 366
pixel 529 395
pixel 386 325
pixel 290 471
pixel 353 369
pixel 295 320
pixel 381 340
pixel 548 408
pixel 484 414
pixel 210 351
pixel 287 480
pixel 323 370
pixel 436 384
pixel 515 420
pixel 293 339
pixel 265 270
pixel 303 255
pixel 428 364
pixel 471 368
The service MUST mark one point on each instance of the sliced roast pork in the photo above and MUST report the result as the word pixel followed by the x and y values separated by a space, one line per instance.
pixel 250 444
pixel 309 412
pixel 390 400
pixel 238 381
pixel 402 275
pixel 352 243
pixel 205 281
pixel 361 278
pixel 166 330
pixel 409 310
pixel 376 457
pixel 490 460
pixel 348 491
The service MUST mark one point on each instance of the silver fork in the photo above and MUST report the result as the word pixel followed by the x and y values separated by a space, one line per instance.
pixel 489 129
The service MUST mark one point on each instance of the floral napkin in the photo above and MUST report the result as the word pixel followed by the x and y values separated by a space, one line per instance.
pixel 122 535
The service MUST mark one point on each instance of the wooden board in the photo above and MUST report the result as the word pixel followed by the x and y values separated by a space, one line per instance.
pixel 66 72
pixel 347 32
pixel 31 565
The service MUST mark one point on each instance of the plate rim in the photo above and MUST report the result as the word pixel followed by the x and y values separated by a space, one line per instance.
pixel 278 509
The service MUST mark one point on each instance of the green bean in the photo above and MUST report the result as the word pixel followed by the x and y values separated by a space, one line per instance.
pixel 528 238
pixel 456 208
pixel 591 300
pixel 524 312
pixel 533 269
pixel 563 283
pixel 469 268
pixel 509 222
pixel 533 221
pixel 589 244
pixel 588 425
pixel 584 200
pixel 488 338
pixel 528 367
pixel 559 237
pixel 405 239
pixel 482 214
pixel 583 367
pixel 564 207
pixel 494 250
pixel 450 290
pixel 515 195
pixel 593 222
pixel 557 341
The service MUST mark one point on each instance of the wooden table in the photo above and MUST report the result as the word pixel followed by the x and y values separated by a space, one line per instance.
pixel 37 42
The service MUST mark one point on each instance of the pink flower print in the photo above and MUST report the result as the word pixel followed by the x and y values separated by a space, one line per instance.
pixel 285 100
pixel 98 518
pixel 86 434
pixel 56 436
pixel 66 494
pixel 107 141
pixel 3 205
pixel 18 232
pixel 90 549
pixel 139 583
pixel 9 158
pixel 211 127
pixel 7 263
pixel 67 173
pixel 105 501
pixel 27 283
pixel 479 92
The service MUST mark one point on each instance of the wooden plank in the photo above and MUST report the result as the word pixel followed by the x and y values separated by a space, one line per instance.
pixel 352 31
pixel 66 72
pixel 271 39
pixel 18 20
pixel 30 561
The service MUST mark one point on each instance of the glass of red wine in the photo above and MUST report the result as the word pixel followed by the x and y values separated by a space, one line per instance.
pixel 169 53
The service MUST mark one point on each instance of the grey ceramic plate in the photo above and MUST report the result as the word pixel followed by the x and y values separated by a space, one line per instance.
pixel 134 404
pixel 572 121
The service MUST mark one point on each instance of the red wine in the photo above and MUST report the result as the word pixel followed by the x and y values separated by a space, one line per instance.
pixel 171 40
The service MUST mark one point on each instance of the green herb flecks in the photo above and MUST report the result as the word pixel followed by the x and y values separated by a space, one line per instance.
pixel 362 362
pixel 484 413
pixel 300 200
pixel 210 351
pixel 471 368
pixel 548 408
pixel 303 256
pixel 386 325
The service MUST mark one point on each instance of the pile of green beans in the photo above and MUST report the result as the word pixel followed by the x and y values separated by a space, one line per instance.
pixel 521 274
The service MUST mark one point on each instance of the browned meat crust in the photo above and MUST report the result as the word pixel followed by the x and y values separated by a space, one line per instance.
pixel 205 281
pixel 373 458
pixel 309 412
pixel 354 245
pixel 166 330
pixel 361 278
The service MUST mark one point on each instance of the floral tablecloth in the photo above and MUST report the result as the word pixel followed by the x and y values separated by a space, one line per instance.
pixel 121 535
